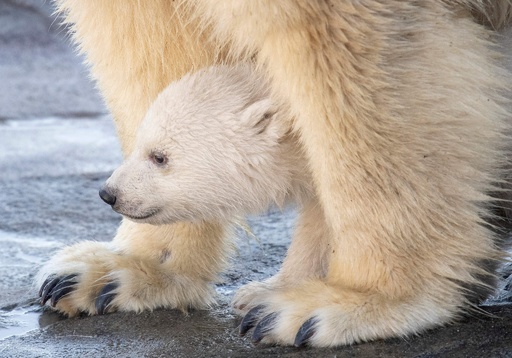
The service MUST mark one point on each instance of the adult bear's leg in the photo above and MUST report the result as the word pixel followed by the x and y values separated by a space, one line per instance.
pixel 397 105
pixel 135 48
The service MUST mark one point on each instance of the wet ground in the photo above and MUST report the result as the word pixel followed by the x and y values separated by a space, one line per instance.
pixel 57 146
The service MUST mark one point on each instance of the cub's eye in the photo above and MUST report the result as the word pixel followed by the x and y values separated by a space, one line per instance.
pixel 159 158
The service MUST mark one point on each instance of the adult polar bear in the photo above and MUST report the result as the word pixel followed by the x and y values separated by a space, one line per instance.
pixel 397 107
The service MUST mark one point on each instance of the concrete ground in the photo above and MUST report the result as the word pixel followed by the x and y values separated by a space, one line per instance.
pixel 57 145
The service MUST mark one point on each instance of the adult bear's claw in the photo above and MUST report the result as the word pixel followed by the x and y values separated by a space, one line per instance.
pixel 47 287
pixel 305 332
pixel 105 297
pixel 263 327
pixel 54 288
pixel 250 319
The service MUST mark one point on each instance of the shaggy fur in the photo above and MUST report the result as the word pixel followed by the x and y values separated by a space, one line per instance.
pixel 399 112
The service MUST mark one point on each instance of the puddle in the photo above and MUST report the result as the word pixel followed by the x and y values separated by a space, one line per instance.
pixel 18 321
pixel 20 257
pixel 23 319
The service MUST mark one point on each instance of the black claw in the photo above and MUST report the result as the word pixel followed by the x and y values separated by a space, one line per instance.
pixel 47 288
pixel 250 319
pixel 105 297
pixel 46 282
pixel 305 332
pixel 263 327
pixel 65 286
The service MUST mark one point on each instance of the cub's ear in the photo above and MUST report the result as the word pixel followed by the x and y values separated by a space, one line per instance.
pixel 259 115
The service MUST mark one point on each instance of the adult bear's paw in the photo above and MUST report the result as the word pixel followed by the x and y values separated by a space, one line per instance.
pixel 96 278
pixel 317 314
pixel 71 281
pixel 56 287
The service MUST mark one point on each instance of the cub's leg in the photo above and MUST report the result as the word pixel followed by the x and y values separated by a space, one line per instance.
pixel 135 49
pixel 398 109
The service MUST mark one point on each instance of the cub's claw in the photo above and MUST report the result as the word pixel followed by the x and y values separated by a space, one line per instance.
pixel 306 331
pixel 263 327
pixel 250 319
pixel 54 288
pixel 105 297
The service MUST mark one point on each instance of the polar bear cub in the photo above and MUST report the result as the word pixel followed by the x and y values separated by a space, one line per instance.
pixel 212 145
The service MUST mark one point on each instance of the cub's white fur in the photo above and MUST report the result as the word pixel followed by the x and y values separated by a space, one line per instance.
pixel 225 148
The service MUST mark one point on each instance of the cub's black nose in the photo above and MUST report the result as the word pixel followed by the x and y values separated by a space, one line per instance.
pixel 107 197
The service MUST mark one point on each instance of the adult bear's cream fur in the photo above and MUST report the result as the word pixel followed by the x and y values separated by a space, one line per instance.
pixel 397 105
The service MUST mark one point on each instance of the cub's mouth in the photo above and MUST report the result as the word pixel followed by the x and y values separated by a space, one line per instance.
pixel 140 217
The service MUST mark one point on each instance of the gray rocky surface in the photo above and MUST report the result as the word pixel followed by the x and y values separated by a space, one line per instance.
pixel 38 69
pixel 57 145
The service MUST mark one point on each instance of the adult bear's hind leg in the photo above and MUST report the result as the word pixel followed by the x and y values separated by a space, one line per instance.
pixel 398 111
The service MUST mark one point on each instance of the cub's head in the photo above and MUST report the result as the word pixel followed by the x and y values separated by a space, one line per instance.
pixel 211 146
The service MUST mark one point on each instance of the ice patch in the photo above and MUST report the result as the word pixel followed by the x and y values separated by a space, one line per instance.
pixel 21 251
pixel 57 146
